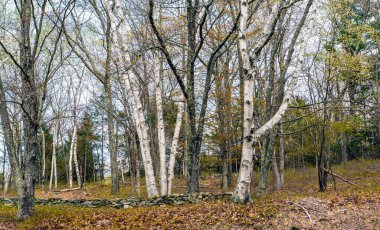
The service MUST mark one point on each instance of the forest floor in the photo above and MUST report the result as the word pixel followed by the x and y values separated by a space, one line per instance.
pixel 298 206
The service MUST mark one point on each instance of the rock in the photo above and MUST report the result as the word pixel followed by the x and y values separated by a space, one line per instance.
pixel 179 202
pixel 177 199
pixel 126 206
pixel 103 202
pixel 8 202
pixel 116 205
pixel 79 201
pixel 156 201
pixel 88 204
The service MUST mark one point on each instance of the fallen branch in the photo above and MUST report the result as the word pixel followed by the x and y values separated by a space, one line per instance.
pixel 84 193
pixel 339 177
pixel 67 190
pixel 303 208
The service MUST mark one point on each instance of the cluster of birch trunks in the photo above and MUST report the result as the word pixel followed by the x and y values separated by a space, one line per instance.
pixel 202 57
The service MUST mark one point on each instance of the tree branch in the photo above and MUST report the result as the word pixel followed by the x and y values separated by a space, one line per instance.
pixel 165 50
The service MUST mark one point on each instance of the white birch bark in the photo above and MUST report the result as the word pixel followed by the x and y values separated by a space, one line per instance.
pixel 252 137
pixel 282 158
pixel 246 165
pixel 75 156
pixel 174 145
pixel 71 165
pixel 160 125
pixel 132 88
pixel 53 170
pixel 242 190
pixel 74 159
pixel 143 136
pixel 43 143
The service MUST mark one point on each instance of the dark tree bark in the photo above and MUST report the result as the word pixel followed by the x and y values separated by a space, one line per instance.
pixel 25 170
pixel 30 118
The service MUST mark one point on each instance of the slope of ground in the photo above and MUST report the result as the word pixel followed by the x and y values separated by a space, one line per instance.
pixel 299 206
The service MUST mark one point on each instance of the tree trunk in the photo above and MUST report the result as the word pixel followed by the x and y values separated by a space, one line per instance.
pixel 131 153
pixel 111 136
pixel 266 161
pixel 174 145
pixel 8 180
pixel 144 141
pixel 160 125
pixel 71 164
pixel 3 168
pixel 252 134
pixel 137 163
pixel 276 173
pixel 282 158
pixel 193 150
pixel 26 177
pixel 322 162
pixel 85 166
pixel 101 168
pixel 132 87
pixel 74 157
pixel 53 171
pixel 223 110
pixel 43 158
pixel 122 171
pixel 243 185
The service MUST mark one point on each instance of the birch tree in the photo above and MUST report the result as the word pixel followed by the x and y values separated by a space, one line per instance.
pixel 252 134
pixel 53 172
pixel 73 156
pixel 131 86
pixel 43 149
pixel 160 125
pixel 196 19
pixel 174 144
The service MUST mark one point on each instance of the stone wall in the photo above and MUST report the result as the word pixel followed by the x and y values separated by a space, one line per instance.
pixel 128 202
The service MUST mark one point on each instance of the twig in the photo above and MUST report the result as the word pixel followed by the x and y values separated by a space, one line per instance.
pixel 304 209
